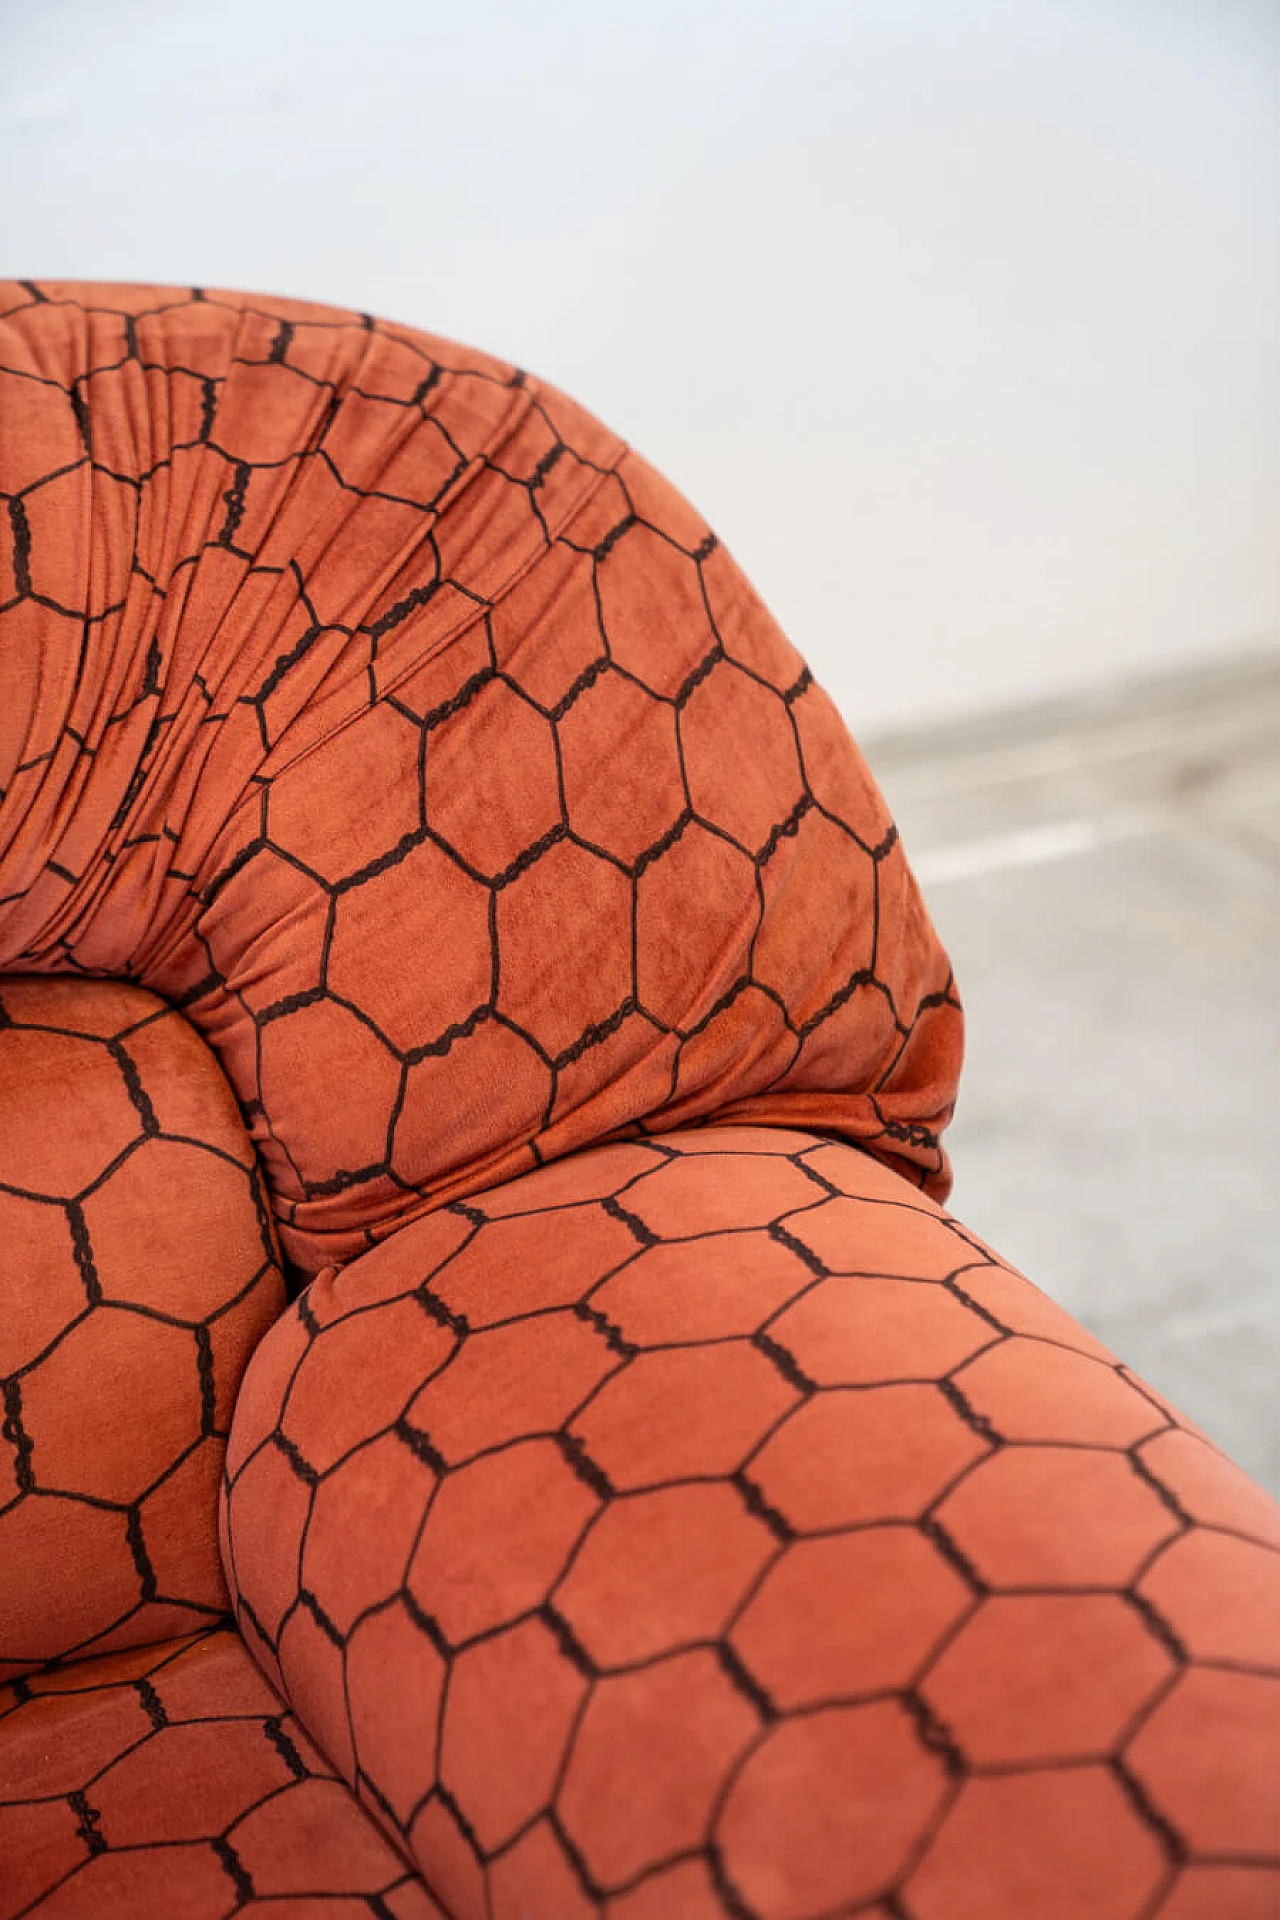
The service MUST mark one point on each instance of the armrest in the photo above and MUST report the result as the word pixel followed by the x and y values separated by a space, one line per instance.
pixel 712 1524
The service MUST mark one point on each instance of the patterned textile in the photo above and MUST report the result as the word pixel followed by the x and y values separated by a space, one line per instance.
pixel 171 1781
pixel 430 880
pixel 713 1524
pixel 374 705
pixel 138 1271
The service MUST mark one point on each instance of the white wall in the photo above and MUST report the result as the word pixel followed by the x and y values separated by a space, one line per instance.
pixel 959 318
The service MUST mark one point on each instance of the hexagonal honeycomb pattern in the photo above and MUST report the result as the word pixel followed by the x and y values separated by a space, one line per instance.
pixel 712 1526
pixel 377 707
pixel 646 1523
pixel 138 1271
pixel 170 1780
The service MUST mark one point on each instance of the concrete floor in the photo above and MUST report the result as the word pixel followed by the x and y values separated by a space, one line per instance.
pixel 1106 876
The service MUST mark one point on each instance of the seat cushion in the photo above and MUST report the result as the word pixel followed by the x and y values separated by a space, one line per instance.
pixel 171 1781
pixel 139 1271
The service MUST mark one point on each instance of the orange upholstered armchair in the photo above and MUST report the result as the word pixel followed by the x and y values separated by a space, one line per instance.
pixel 497 1419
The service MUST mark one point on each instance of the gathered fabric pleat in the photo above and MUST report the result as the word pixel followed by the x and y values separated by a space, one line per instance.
pixel 372 703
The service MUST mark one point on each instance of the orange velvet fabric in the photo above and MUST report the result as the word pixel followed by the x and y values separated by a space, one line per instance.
pixel 421 853
pixel 710 1525
pixel 368 700
pixel 138 1271
pixel 169 1783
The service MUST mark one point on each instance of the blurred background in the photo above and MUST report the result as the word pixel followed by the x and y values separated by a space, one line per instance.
pixel 960 321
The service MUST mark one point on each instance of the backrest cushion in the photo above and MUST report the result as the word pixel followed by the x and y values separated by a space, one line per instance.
pixel 369 701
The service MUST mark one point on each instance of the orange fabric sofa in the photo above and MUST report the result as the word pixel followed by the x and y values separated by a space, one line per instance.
pixel 498 1421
